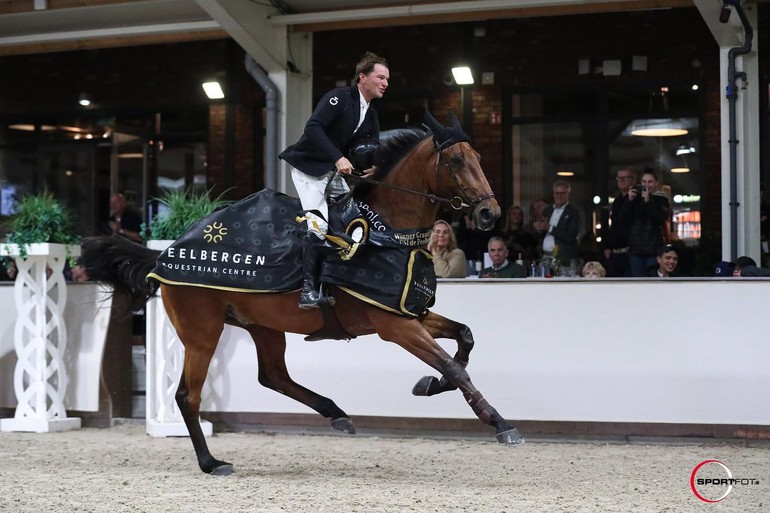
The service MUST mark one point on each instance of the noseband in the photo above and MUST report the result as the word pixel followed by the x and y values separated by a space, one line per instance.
pixel 456 202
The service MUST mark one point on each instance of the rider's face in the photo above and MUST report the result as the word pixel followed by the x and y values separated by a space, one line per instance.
pixel 374 83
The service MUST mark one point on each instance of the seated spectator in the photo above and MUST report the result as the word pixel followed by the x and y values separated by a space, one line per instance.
pixel 517 239
pixel 473 242
pixel 7 269
pixel 79 274
pixel 501 267
pixel 448 259
pixel 668 258
pixel 593 271
pixel 747 267
pixel 724 269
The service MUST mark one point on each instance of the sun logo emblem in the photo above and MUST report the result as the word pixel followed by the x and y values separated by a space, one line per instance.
pixel 334 100
pixel 214 232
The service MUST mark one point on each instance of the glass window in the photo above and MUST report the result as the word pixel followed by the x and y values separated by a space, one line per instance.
pixel 585 135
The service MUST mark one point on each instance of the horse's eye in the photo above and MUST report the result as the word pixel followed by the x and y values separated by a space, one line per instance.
pixel 457 160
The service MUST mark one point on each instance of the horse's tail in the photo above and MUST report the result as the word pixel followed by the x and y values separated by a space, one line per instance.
pixel 121 263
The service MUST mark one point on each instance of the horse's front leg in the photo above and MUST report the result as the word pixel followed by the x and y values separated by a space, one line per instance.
pixel 409 334
pixel 438 326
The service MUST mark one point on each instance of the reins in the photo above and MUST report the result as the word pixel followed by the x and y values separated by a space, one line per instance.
pixel 456 202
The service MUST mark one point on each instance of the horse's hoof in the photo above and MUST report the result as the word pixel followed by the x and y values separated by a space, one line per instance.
pixel 225 469
pixel 423 387
pixel 344 425
pixel 510 437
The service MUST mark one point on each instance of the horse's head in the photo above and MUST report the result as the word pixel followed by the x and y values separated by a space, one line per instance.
pixel 459 175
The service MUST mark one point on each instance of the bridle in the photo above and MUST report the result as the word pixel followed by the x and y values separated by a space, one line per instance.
pixel 456 202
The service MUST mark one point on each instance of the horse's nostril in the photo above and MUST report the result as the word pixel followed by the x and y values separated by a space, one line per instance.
pixel 486 215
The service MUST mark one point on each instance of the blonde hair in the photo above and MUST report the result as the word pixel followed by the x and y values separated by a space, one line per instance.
pixel 594 266
pixel 452 238
pixel 507 223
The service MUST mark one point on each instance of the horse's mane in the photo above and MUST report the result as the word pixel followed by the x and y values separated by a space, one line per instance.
pixel 394 146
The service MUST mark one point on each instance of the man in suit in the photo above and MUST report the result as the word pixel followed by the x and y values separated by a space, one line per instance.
pixel 343 115
pixel 561 237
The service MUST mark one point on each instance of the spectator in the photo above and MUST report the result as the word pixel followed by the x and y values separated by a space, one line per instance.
pixel 8 269
pixel 448 259
pixel 667 258
pixel 561 237
pixel 517 239
pixel 124 221
pixel 79 273
pixel 538 224
pixel 645 212
pixel 615 239
pixel 724 269
pixel 747 267
pixel 471 241
pixel 593 270
pixel 501 267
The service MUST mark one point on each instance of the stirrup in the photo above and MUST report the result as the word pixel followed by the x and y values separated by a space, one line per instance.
pixel 310 298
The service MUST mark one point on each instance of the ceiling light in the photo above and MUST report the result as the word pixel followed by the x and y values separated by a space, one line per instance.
pixel 685 149
pixel 680 169
pixel 213 90
pixel 565 173
pixel 462 75
pixel 657 128
pixel 84 99
pixel 31 128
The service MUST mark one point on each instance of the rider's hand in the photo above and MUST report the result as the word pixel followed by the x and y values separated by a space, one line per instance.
pixel 367 173
pixel 343 166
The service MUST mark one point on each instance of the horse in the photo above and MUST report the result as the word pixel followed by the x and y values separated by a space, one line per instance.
pixel 420 172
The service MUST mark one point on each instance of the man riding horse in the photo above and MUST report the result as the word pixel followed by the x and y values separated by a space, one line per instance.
pixel 318 160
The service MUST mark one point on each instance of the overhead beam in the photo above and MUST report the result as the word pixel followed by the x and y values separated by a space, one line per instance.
pixel 448 12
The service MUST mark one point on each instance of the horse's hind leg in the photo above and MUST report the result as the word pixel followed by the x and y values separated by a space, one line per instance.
pixel 273 374
pixel 438 326
pixel 200 335
pixel 409 334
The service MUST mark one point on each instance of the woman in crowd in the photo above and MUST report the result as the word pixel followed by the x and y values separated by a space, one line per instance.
pixel 448 259
pixel 517 239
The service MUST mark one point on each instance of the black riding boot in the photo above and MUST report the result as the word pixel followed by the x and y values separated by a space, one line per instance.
pixel 312 295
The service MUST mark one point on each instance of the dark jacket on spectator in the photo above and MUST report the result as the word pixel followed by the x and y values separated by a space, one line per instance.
pixel 646 220
pixel 566 231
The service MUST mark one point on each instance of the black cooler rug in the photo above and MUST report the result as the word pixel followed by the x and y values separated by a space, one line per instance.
pixel 255 245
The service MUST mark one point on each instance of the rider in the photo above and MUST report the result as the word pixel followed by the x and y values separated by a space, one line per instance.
pixel 342 116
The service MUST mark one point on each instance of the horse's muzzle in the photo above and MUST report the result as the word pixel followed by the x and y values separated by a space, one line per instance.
pixel 484 217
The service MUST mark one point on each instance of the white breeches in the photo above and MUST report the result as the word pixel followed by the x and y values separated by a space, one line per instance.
pixel 310 190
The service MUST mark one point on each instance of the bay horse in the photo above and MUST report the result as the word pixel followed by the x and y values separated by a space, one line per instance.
pixel 427 170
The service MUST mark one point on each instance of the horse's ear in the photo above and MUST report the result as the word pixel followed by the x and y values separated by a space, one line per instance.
pixel 454 121
pixel 433 125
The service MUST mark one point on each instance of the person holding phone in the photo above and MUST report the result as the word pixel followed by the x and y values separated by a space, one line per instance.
pixel 646 213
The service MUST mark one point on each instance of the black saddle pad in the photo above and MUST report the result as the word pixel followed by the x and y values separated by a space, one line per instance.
pixel 254 245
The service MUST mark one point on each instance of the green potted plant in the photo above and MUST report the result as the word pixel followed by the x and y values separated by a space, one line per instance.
pixel 39 222
pixel 41 238
pixel 183 208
